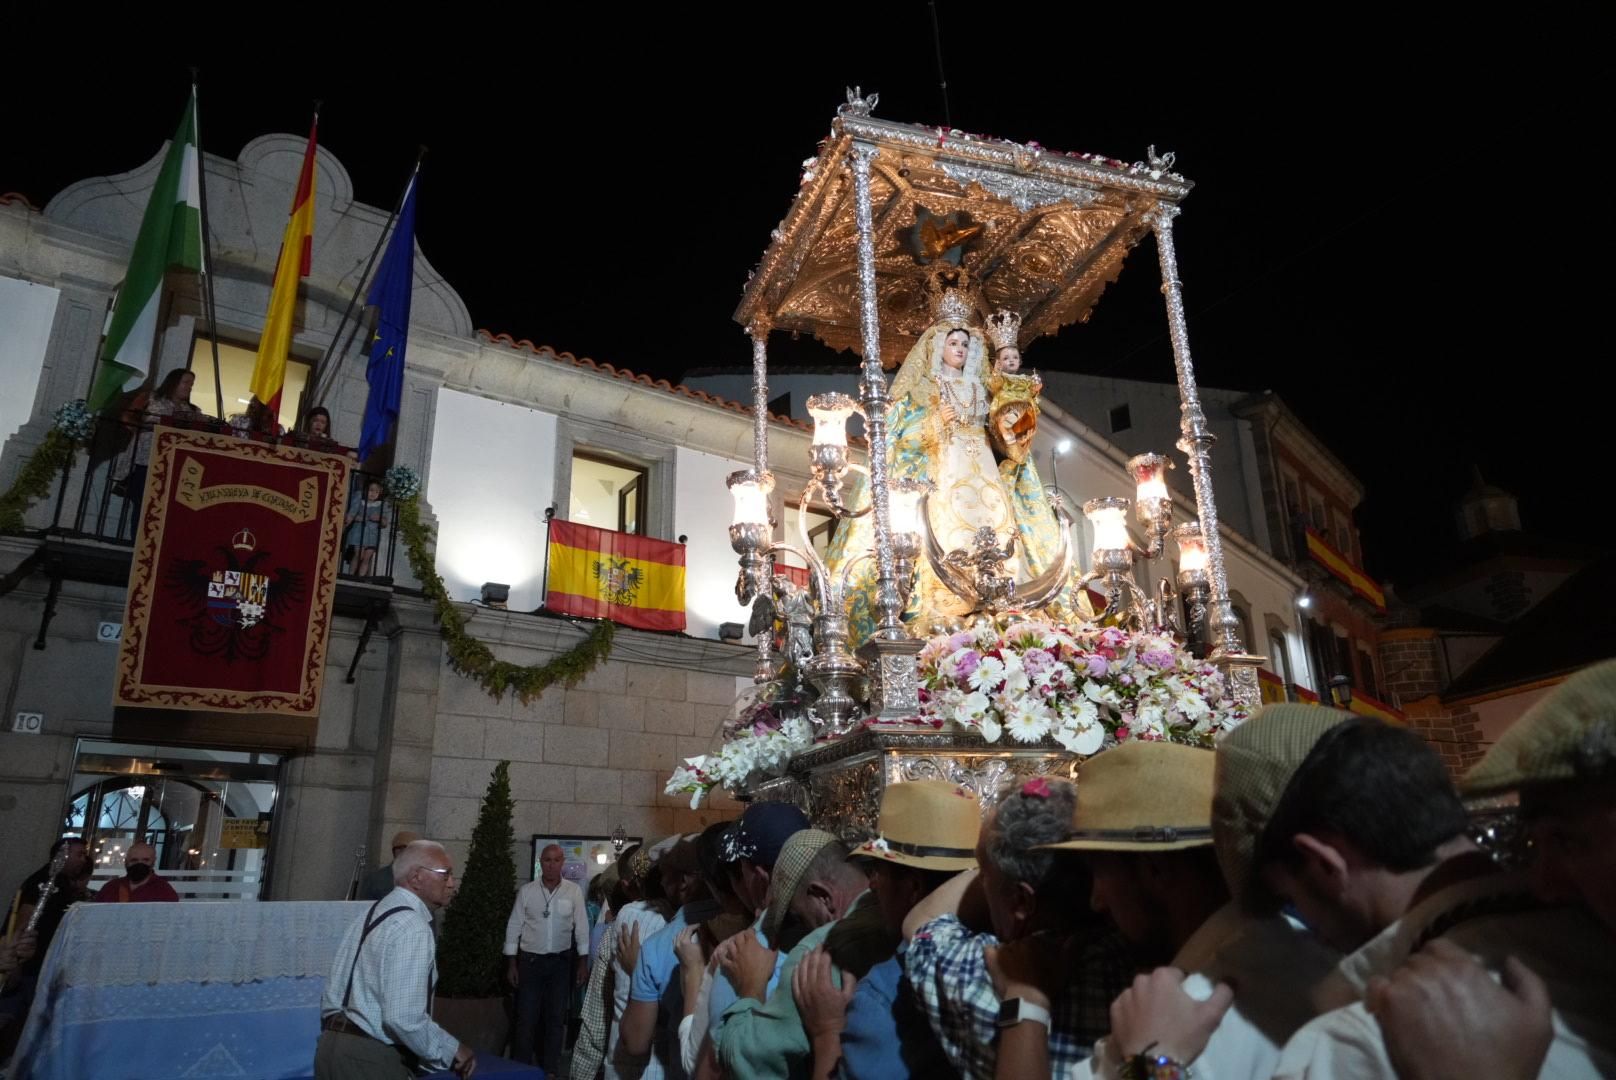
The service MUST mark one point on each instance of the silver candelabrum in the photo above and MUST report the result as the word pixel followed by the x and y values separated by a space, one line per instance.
pixel 1114 554
pixel 833 670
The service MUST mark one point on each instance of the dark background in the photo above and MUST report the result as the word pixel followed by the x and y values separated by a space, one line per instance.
pixel 1399 229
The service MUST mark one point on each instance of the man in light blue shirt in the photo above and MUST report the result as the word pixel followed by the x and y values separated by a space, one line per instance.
pixel 656 996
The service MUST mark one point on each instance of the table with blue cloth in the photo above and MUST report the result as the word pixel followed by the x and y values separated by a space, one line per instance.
pixel 153 991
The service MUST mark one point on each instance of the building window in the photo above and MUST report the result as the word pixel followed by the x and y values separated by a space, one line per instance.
pixel 1366 674
pixel 1240 613
pixel 608 494
pixel 1293 495
pixel 235 376
pixel 1121 418
pixel 1318 517
pixel 1343 536
pixel 1343 655
pixel 1279 660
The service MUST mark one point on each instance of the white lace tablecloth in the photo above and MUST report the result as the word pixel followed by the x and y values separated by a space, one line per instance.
pixel 229 942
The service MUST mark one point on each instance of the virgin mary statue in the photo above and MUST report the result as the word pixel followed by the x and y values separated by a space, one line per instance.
pixel 936 424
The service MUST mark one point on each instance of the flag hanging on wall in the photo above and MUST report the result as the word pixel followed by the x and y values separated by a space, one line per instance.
pixel 600 574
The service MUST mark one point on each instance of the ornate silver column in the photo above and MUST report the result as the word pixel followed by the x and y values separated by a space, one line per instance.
pixel 889 655
pixel 1196 443
pixel 758 331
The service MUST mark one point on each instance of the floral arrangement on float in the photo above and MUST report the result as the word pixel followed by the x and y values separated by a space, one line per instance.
pixel 769 724
pixel 1086 687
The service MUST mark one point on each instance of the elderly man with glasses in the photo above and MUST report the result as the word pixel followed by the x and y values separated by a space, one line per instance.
pixel 376 1017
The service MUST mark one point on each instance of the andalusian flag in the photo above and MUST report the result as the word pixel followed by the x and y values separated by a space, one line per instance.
pixel 297 250
pixel 600 574
pixel 170 235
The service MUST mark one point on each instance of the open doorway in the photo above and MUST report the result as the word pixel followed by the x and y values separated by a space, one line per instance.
pixel 209 813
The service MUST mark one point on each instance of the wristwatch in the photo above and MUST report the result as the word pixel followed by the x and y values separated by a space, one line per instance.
pixel 1013 1011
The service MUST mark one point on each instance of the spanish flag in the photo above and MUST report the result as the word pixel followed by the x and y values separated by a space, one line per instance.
pixel 297 250
pixel 600 574
pixel 1338 564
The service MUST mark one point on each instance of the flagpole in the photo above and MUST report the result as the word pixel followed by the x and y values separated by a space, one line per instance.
pixel 328 378
pixel 207 262
pixel 544 574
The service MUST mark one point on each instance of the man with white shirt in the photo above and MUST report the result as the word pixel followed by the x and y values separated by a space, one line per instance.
pixel 547 940
pixel 376 1015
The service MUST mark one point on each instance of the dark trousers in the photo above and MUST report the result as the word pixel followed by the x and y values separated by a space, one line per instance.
pixel 343 1056
pixel 543 992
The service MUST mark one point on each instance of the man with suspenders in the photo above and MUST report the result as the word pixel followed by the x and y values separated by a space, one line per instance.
pixel 376 1017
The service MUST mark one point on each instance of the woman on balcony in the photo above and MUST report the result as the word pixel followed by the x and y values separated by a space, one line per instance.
pixel 172 398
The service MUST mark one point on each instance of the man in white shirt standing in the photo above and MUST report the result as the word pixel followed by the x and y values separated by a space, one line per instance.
pixel 376 1016
pixel 547 940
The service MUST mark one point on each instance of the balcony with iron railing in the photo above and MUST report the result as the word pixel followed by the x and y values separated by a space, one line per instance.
pixel 90 532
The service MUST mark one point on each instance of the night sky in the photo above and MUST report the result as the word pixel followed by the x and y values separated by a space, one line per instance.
pixel 1401 231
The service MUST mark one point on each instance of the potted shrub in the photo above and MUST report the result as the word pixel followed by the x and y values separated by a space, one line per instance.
pixel 471 965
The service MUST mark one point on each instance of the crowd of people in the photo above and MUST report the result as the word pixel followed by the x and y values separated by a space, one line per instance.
pixel 1305 900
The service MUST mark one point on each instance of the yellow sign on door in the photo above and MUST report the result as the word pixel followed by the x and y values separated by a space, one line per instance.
pixel 244 832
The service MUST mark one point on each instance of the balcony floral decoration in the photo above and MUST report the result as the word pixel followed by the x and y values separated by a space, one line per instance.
pixel 1087 687
pixel 469 655
pixel 401 483
pixel 72 424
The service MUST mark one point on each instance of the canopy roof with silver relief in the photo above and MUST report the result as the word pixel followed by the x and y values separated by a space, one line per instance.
pixel 1042 232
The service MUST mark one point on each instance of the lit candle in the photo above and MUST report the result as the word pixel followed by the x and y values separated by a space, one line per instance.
pixel 1150 476
pixel 1192 555
pixel 830 412
pixel 1108 517
pixel 903 499
pixel 751 494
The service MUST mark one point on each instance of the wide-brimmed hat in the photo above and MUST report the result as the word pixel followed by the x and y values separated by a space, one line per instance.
pixel 927 824
pixel 1254 767
pixel 1567 735
pixel 1142 796
pixel 790 868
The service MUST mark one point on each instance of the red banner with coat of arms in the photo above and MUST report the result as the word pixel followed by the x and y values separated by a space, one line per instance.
pixel 233 577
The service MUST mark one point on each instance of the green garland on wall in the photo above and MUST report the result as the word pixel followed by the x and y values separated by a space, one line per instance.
pixel 471 657
pixel 34 479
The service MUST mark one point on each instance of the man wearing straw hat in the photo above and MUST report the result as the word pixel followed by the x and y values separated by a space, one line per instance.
pixel 869 1020
pixel 1144 827
pixel 1018 890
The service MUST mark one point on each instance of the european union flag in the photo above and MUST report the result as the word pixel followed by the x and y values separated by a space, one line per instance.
pixel 390 296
